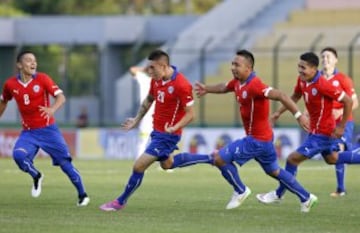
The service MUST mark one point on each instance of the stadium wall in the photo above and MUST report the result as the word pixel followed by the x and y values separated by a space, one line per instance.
pixel 332 4
pixel 101 143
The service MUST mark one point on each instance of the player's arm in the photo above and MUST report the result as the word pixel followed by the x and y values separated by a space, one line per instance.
pixel 202 89
pixel 144 108
pixel 50 111
pixel 288 104
pixel 355 101
pixel 2 107
pixel 187 118
pixel 275 116
pixel 347 102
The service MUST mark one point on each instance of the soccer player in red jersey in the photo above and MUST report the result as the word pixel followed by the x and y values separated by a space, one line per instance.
pixel 329 60
pixel 172 94
pixel 324 135
pixel 253 97
pixel 31 90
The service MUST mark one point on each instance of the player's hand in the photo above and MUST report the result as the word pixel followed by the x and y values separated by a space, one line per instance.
pixel 274 117
pixel 304 123
pixel 168 129
pixel 128 124
pixel 338 132
pixel 200 89
pixel 46 112
pixel 337 113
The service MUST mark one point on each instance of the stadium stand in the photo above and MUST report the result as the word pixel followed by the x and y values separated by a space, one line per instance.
pixel 307 29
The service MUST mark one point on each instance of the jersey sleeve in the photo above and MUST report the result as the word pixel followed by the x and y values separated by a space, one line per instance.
pixel 327 89
pixel 50 86
pixel 6 93
pixel 231 85
pixel 347 85
pixel 185 94
pixel 152 90
pixel 297 88
pixel 259 88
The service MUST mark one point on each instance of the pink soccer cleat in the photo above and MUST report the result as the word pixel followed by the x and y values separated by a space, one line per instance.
pixel 112 206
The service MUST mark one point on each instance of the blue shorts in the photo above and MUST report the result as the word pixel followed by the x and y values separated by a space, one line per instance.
pixel 317 143
pixel 48 139
pixel 347 138
pixel 243 150
pixel 162 145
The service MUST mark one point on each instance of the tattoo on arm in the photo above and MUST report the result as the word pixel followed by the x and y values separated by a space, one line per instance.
pixel 144 107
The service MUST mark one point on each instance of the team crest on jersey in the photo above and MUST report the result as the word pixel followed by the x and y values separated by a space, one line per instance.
pixel 335 83
pixel 314 91
pixel 36 88
pixel 244 94
pixel 170 89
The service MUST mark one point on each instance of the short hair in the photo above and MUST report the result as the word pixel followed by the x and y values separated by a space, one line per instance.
pixel 311 58
pixel 159 54
pixel 21 54
pixel 330 49
pixel 247 55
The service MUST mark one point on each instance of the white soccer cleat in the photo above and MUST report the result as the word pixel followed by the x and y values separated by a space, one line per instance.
pixel 83 201
pixel 36 188
pixel 268 198
pixel 307 205
pixel 237 199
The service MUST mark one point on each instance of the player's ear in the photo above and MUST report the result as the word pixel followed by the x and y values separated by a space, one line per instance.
pixel 18 65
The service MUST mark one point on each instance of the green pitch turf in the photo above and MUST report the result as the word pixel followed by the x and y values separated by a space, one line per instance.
pixel 190 200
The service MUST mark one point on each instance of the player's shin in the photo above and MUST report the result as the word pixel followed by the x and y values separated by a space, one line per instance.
pixel 349 157
pixel 74 176
pixel 289 181
pixel 186 159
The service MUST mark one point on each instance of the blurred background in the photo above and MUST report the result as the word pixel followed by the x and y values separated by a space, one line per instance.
pixel 87 47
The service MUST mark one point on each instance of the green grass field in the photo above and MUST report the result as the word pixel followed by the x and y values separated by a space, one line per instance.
pixel 187 200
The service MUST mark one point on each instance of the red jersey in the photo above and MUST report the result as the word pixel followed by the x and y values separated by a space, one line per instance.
pixel 29 96
pixel 346 84
pixel 171 98
pixel 254 106
pixel 319 96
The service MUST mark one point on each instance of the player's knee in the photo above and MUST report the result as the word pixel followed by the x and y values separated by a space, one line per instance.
pixel 218 161
pixel 330 159
pixel 293 159
pixel 19 155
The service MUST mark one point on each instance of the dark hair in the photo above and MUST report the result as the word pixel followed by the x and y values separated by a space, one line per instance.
pixel 21 54
pixel 311 58
pixel 331 50
pixel 247 55
pixel 159 54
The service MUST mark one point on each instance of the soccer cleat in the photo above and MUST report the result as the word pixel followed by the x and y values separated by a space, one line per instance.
pixel 112 206
pixel 307 205
pixel 268 198
pixel 84 200
pixel 337 194
pixel 237 199
pixel 36 188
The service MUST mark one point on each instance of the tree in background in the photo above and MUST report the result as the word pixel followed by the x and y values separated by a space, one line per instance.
pixel 111 7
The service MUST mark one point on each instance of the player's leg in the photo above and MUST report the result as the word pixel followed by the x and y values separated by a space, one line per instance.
pixel 187 159
pixel 269 163
pixel 160 147
pixel 346 145
pixel 292 163
pixel 24 152
pixel 53 143
pixel 223 160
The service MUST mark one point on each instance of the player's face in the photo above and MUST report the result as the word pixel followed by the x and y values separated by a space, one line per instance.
pixel 306 71
pixel 240 68
pixel 328 60
pixel 156 69
pixel 27 64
